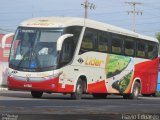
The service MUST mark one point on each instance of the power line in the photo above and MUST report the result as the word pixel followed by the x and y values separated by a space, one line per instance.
pixel 134 12
pixel 86 6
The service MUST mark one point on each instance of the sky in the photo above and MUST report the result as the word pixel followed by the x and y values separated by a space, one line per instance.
pixel 13 12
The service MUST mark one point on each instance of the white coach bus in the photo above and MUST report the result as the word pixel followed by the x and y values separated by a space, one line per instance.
pixel 75 56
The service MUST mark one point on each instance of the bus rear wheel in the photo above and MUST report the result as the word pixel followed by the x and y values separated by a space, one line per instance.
pixel 36 94
pixel 135 92
pixel 79 90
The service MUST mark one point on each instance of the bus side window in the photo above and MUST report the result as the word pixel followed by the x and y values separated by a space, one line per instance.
pixel 141 49
pixel 116 44
pixel 88 42
pixel 129 47
pixel 152 50
pixel 67 51
pixel 103 42
pixel 76 31
pixel 69 45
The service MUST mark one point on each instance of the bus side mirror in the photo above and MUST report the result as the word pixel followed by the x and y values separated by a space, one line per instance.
pixel 61 40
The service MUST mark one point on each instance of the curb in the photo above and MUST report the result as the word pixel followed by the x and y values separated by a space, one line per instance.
pixel 3 89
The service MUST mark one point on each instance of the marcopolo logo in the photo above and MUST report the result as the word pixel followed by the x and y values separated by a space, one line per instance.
pixel 28 76
pixel 80 60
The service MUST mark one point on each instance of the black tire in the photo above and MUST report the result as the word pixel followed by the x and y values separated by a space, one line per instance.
pixel 135 92
pixel 126 96
pixel 149 95
pixel 99 95
pixel 77 95
pixel 36 94
pixel 155 94
pixel 146 95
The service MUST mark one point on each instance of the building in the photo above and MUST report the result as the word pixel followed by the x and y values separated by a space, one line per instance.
pixel 5 44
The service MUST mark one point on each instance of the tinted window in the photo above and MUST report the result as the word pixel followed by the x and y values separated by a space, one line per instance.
pixel 67 51
pixel 75 30
pixel 129 46
pixel 103 42
pixel 141 49
pixel 69 45
pixel 152 51
pixel 116 44
pixel 88 42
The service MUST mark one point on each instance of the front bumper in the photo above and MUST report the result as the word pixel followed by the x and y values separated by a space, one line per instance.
pixel 51 85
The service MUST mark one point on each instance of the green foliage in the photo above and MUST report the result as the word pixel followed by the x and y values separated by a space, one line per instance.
pixel 158 94
pixel 123 83
pixel 116 65
pixel 158 36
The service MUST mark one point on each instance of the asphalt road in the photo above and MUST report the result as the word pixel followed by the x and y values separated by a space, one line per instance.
pixel 60 106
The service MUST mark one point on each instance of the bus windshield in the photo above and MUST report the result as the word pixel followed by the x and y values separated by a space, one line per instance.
pixel 35 49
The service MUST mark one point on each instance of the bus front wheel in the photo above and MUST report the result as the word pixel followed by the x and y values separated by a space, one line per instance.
pixel 36 94
pixel 79 90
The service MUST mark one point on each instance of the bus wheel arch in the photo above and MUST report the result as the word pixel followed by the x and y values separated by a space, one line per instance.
pixel 135 90
pixel 138 80
pixel 84 81
pixel 80 88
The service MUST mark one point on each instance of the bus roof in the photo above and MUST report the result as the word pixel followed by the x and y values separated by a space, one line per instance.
pixel 60 22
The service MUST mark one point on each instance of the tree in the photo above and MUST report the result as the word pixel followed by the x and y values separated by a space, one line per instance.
pixel 158 36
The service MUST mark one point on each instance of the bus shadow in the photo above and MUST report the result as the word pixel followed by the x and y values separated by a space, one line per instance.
pixel 53 96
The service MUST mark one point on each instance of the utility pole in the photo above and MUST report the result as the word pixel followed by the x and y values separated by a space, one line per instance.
pixel 134 12
pixel 86 6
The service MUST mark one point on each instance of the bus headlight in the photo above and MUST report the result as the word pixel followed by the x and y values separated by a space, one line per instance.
pixel 57 74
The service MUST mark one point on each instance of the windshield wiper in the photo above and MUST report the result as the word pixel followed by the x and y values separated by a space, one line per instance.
pixel 30 56
pixel 24 56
